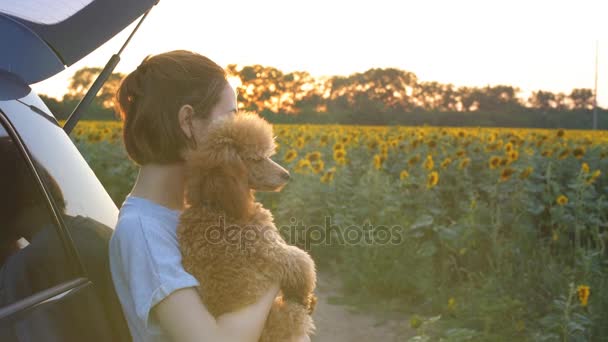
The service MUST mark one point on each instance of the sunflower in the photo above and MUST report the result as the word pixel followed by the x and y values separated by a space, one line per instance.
pixel 583 292
pixel 429 164
pixel 513 156
pixel 564 154
pixel 303 166
pixel 506 174
pixel 372 144
pixel 464 163
pixel 340 157
pixel 317 166
pixel 578 152
pixel 414 160
pixel 562 200
pixel 494 161
pixel 378 160
pixel 404 174
pixel 339 154
pixel 338 146
pixel 415 322
pixel 323 140
pixel 432 179
pixel 316 155
pixel 560 133
pixel 491 147
pixel 300 143
pixel 530 152
pixel 508 147
pixel 446 162
pixel 526 172
pixel 328 176
pixel 585 168
pixel 384 150
pixel 290 156
pixel 451 304
pixel 594 176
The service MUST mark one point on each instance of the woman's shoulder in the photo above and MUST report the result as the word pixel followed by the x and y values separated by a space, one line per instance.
pixel 140 231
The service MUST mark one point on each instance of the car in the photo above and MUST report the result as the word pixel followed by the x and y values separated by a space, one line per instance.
pixel 56 218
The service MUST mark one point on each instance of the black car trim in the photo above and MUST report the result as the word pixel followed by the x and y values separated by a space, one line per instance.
pixel 76 265
pixel 44 297
pixel 40 112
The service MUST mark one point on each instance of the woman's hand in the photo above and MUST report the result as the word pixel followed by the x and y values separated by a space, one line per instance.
pixel 184 317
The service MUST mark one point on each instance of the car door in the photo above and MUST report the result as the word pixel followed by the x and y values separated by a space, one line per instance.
pixel 55 220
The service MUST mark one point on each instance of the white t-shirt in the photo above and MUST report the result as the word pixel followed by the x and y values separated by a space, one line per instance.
pixel 145 263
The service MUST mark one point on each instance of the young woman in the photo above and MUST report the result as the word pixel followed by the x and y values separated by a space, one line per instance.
pixel 166 104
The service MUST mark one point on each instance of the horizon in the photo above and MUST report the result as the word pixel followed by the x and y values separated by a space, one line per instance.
pixel 485 46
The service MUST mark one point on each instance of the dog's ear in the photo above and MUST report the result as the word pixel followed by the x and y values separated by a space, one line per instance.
pixel 220 180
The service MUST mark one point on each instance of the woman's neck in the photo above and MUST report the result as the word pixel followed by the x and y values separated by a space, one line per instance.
pixel 162 184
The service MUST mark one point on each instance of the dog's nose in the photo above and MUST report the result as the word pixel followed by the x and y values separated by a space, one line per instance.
pixel 285 176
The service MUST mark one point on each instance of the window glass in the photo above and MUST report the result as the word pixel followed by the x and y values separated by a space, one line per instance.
pixel 82 192
pixel 87 216
pixel 32 254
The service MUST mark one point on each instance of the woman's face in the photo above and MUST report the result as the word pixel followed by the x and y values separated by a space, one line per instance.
pixel 226 105
pixel 192 125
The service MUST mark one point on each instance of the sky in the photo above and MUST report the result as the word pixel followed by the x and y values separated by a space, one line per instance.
pixel 531 44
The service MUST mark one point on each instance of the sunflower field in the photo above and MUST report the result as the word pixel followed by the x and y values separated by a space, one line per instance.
pixel 478 234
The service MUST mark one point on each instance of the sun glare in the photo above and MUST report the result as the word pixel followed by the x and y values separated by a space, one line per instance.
pixel 234 81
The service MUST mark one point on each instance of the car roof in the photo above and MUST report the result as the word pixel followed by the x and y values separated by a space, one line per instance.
pixel 39 38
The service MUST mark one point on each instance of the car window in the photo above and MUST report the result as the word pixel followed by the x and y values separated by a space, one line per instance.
pixel 86 216
pixel 32 252
pixel 82 192
pixel 55 282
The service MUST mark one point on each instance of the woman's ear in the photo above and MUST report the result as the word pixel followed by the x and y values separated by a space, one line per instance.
pixel 185 115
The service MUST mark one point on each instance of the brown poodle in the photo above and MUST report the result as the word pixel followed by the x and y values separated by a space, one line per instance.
pixel 229 242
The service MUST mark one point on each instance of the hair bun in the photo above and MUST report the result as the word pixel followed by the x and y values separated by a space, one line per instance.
pixel 136 82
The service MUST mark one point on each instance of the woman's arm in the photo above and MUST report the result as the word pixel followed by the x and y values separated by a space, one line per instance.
pixel 184 318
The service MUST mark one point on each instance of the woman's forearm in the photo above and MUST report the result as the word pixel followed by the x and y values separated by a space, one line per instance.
pixel 184 318
pixel 247 324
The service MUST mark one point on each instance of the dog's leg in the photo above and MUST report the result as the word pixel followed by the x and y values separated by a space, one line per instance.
pixel 298 276
pixel 287 321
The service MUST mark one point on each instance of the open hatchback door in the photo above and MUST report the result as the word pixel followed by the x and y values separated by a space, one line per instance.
pixel 39 38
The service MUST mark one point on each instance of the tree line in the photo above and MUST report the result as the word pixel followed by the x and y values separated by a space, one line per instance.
pixel 377 96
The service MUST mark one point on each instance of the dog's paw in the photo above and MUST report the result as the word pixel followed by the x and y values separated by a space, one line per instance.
pixel 309 301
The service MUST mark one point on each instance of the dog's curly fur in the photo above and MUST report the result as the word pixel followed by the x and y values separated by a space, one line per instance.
pixel 229 242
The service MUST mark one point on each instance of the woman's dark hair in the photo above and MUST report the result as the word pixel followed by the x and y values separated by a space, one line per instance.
pixel 150 97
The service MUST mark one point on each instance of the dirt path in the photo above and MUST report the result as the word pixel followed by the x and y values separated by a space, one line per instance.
pixel 341 323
